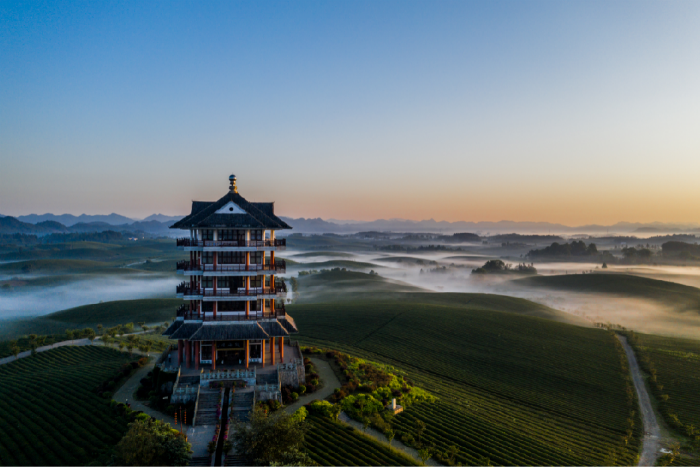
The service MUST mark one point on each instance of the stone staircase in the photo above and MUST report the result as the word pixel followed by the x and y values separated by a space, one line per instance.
pixel 234 459
pixel 200 461
pixel 242 406
pixel 206 407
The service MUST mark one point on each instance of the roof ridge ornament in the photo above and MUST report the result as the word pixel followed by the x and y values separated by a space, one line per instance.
pixel 232 181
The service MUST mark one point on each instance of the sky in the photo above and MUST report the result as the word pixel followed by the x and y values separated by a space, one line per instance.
pixel 574 112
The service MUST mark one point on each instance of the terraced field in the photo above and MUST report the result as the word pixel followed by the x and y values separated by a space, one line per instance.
pixel 332 443
pixel 512 389
pixel 50 415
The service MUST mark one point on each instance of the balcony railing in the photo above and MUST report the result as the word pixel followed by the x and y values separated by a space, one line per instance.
pixel 279 312
pixel 278 266
pixel 188 242
pixel 184 288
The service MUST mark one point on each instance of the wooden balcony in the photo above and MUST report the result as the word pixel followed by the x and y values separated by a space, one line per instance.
pixel 279 266
pixel 183 289
pixel 279 244
pixel 279 312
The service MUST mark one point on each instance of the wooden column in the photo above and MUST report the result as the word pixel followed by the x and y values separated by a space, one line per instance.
pixel 262 353
pixel 180 346
pixel 272 350
pixel 272 258
pixel 188 354
pixel 247 308
pixel 196 355
pixel 247 260
pixel 247 354
pixel 281 349
pixel 213 355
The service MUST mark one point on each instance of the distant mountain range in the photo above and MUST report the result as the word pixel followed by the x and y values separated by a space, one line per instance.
pixel 11 225
pixel 112 219
pixel 158 224
pixel 319 225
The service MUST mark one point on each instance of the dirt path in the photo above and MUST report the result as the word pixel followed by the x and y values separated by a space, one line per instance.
pixel 652 432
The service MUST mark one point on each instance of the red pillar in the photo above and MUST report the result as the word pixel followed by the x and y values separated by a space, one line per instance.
pixel 262 350
pixel 188 354
pixel 247 354
pixel 196 355
pixel 272 350
pixel 180 346
pixel 281 343
pixel 213 355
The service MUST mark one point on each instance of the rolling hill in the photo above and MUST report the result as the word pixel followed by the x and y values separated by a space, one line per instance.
pixel 678 297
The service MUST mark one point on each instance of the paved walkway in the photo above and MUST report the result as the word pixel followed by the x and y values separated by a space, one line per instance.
pixel 330 383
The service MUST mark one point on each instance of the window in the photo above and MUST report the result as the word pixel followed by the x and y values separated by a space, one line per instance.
pixel 207 257
pixel 207 234
pixel 256 234
pixel 207 282
pixel 232 257
pixel 232 306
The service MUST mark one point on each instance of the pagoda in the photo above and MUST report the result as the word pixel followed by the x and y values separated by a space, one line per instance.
pixel 234 313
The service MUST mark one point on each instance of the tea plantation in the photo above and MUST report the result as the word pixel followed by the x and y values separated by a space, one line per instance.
pixel 50 413
pixel 332 443
pixel 674 365
pixel 512 389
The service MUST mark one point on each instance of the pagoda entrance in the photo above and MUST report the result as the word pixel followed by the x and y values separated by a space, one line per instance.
pixel 230 353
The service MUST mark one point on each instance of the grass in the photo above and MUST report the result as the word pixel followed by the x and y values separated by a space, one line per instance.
pixel 513 389
pixel 332 443
pixel 151 310
pixel 679 297
pixel 62 266
pixel 50 414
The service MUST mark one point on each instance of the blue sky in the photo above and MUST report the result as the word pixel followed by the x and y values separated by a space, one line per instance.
pixel 570 112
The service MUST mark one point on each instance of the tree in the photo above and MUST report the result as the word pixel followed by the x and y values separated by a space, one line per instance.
pixel 41 340
pixel 424 454
pixel 121 345
pixel 106 339
pixel 277 437
pixel 147 347
pixel 605 265
pixel 14 348
pixel 389 435
pixel 141 323
pixel 366 422
pixel 152 442
pixel 70 334
pixel 100 329
pixel 32 343
pixel 90 334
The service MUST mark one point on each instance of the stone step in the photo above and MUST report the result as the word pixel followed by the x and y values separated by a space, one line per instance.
pixel 234 460
pixel 201 461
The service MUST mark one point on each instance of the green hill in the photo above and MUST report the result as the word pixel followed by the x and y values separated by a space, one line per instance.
pixel 679 297
pixel 342 285
pixel 407 260
pixel 152 310
pixel 354 265
pixel 61 266
pixel 512 389
pixel 330 254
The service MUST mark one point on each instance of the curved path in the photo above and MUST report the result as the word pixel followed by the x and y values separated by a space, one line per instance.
pixel 330 383
pixel 652 432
